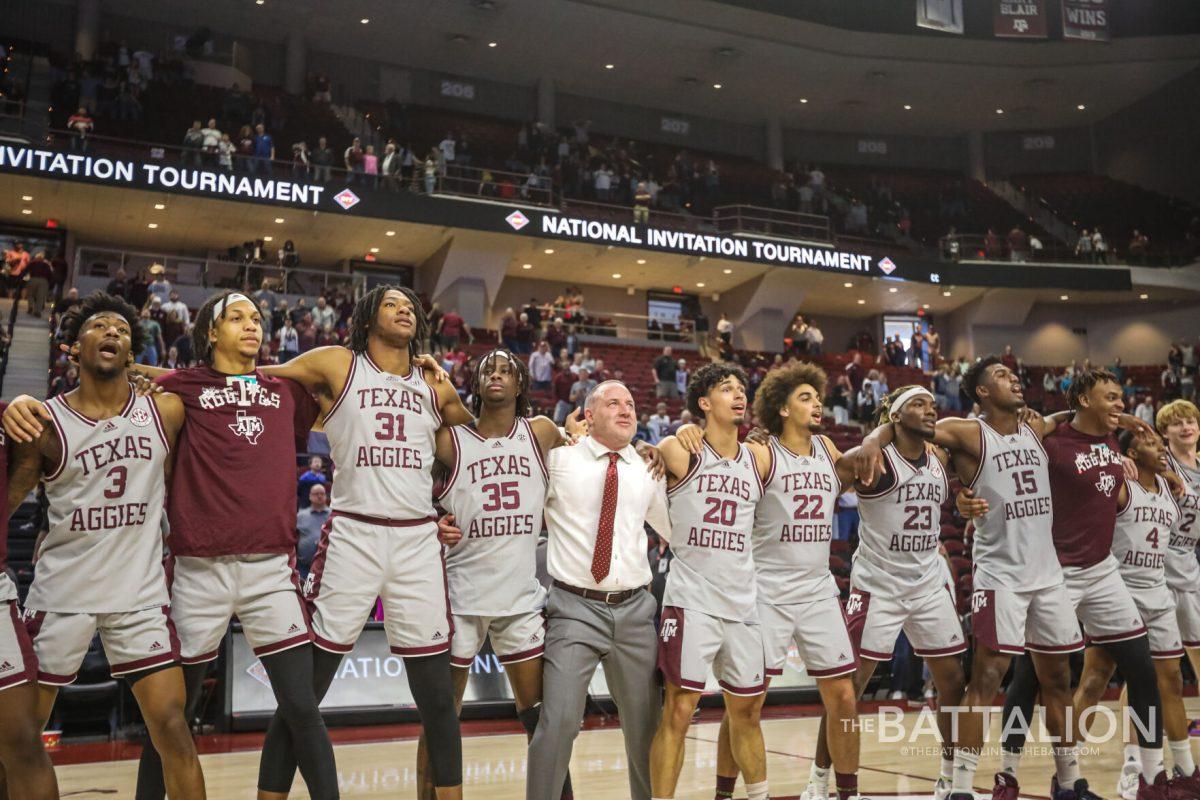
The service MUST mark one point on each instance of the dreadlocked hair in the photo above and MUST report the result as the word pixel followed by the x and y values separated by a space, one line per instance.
pixel 884 414
pixel 971 380
pixel 708 376
pixel 484 366
pixel 366 310
pixel 1084 382
pixel 203 324
pixel 777 387
pixel 100 303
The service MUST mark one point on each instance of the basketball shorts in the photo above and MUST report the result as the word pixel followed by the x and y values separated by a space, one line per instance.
pixel 262 591
pixel 133 641
pixel 690 643
pixel 1187 612
pixel 1156 604
pixel 819 630
pixel 929 620
pixel 360 559
pixel 1041 620
pixel 1102 601
pixel 517 637
pixel 18 664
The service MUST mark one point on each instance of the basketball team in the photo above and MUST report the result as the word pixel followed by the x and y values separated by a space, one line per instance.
pixel 1084 535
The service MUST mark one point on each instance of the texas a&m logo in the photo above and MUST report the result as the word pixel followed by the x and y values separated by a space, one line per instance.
pixel 669 628
pixel 248 426
pixel 854 604
pixel 978 601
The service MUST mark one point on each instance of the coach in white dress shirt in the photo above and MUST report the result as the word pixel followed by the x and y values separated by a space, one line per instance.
pixel 599 609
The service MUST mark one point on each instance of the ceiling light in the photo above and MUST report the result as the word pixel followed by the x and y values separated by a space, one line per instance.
pixel 1144 296
pixel 159 206
pixel 364 20
pixel 907 107
pixel 374 249
pixel 641 261
pixel 26 211
pixel 549 251
pixel 389 233
pixel 1064 297
pixel 259 2
pixel 848 285
pixel 925 306
pixel 152 225
pixel 527 266
pixel 727 271
pixel 893 290
pixel 279 220
pixel 999 110
pixel 803 99
pixel 268 238
pixel 492 44
pixel 616 276
pixel 716 86
pixel 608 66
pixel 1081 107
pixel 28 198
pixel 862 302
pixel 700 285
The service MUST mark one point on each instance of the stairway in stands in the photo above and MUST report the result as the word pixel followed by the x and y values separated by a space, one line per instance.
pixel 28 355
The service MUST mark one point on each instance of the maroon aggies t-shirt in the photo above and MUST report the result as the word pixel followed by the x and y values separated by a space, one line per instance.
pixel 233 491
pixel 1085 477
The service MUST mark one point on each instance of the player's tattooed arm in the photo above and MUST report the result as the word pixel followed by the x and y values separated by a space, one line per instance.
pixel 25 418
pixel 676 459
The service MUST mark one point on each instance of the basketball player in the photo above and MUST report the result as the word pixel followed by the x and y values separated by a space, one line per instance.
pixel 709 616
pixel 99 568
pixel 1147 516
pixel 231 509
pixel 1020 601
pixel 797 598
pixel 1087 477
pixel 381 416
pixel 900 580
pixel 1179 422
pixel 494 492
pixel 22 757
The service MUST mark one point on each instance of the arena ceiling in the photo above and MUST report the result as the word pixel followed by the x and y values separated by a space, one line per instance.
pixel 669 54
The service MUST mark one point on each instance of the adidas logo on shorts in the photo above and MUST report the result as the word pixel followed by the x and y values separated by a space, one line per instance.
pixel 437 635
pixel 156 646
pixel 6 667
pixel 294 628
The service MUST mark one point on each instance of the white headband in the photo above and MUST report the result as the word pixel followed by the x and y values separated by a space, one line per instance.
pixel 225 303
pixel 497 353
pixel 916 391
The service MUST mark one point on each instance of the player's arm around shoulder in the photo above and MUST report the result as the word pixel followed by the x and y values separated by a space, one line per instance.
pixel 450 405
pixel 676 458
pixel 322 370
pixel 172 412
pixel 958 433
pixel 549 435
pixel 28 460
pixel 763 457
pixel 443 448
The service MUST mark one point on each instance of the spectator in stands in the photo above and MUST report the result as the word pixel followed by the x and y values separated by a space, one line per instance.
pixel 814 339
pixel 446 146
pixel 177 306
pixel 451 329
pixel 916 354
pixel 289 341
pixel 991 245
pixel 1035 247
pixel 525 333
pixel 328 336
pixel 1145 410
pixel 69 301
pixel 321 160
pixel 371 166
pixel 309 522
pixel 541 368
pixel 307 330
pixel 725 329
pixel 159 286
pixel 315 474
pixel 193 145
pixel 564 379
pixel 225 152
pixel 556 335
pixel 39 273
pixel 864 401
pixel 265 294
pixel 1049 382
pixel 681 377
pixel 321 89
pixel 244 150
pixel 64 382
pixel 659 423
pixel 430 171
pixel 183 346
pixel 1008 359
pixel 16 261
pixel 300 161
pixel 1139 245
pixel 210 142
pixel 264 150
pixel 81 126
pixel 1187 383
pixel 389 167
pixel 172 360
pixel 1083 246
pixel 323 314
pixel 602 182
pixel 117 286
pixel 663 370
pixel 846 522
pixel 581 388
pixel 1099 246
pixel 508 330
pixel 685 417
pixel 154 340
pixel 700 333
pixel 641 204
pixel 1018 244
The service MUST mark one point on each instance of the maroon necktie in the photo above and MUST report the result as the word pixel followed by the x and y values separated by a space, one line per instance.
pixel 602 557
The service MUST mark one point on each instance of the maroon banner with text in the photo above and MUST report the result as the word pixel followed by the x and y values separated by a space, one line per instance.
pixel 1021 19
pixel 1085 19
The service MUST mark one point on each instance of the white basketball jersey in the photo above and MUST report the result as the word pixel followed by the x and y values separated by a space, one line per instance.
pixel 712 518
pixel 899 528
pixel 1143 533
pixel 1014 545
pixel 103 553
pixel 793 526
pixel 496 493
pixel 1183 570
pixel 381 436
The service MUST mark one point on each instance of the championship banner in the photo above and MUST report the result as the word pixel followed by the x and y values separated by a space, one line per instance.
pixel 940 15
pixel 1021 19
pixel 1085 19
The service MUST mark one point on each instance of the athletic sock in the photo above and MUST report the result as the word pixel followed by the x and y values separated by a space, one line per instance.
pixel 725 787
pixel 1181 754
pixel 1133 760
pixel 757 791
pixel 965 764
pixel 1066 764
pixel 948 768
pixel 1010 760
pixel 819 776
pixel 847 784
pixel 1152 762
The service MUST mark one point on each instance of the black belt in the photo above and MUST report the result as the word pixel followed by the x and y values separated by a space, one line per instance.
pixel 608 598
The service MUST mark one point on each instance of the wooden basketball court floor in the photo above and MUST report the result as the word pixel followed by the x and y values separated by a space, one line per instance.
pixel 378 763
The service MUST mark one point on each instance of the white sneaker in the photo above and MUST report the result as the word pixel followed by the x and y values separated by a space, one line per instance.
pixel 942 789
pixel 815 791
pixel 897 695
pixel 1127 786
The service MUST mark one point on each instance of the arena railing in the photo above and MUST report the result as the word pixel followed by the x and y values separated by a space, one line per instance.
pixel 973 247
pixel 613 324
pixel 762 221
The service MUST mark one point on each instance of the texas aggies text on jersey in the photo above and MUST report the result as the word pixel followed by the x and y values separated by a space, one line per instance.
pixel 900 525
pixel 106 502
pixel 1143 534
pixel 381 435
pixel 793 526
pixel 1183 570
pixel 496 493
pixel 1014 546
pixel 712 518
pixel 233 489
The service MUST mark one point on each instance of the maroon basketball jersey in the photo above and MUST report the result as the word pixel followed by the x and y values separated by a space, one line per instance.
pixel 3 493
pixel 1085 479
pixel 233 491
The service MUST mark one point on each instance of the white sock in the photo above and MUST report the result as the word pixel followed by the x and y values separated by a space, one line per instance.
pixel 1009 761
pixel 948 768
pixel 1066 765
pixel 1133 760
pixel 757 791
pixel 1152 762
pixel 1181 754
pixel 965 764
pixel 818 776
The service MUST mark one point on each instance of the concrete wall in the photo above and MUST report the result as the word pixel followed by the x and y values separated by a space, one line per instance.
pixel 925 152
pixel 1029 152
